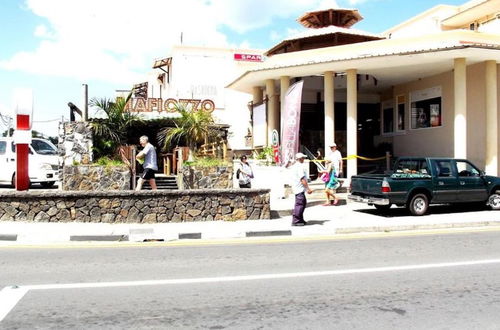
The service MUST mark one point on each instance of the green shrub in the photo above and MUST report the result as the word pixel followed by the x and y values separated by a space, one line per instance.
pixel 265 153
pixel 106 161
pixel 206 162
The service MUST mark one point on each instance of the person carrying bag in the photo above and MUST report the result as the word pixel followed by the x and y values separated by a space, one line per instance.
pixel 244 174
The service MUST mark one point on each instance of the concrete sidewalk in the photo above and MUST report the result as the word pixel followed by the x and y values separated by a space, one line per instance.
pixel 322 221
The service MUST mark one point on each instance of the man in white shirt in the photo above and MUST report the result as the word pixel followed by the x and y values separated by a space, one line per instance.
pixel 150 164
pixel 335 157
pixel 299 187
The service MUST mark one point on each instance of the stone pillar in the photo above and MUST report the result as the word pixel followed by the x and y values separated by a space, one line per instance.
pixel 284 85
pixel 352 121
pixel 460 123
pixel 329 92
pixel 257 94
pixel 273 120
pixel 491 118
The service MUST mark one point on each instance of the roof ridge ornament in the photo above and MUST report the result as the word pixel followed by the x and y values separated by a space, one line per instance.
pixel 341 17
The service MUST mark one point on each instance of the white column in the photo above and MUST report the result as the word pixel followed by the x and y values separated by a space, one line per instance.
pixel 491 118
pixel 460 123
pixel 257 94
pixel 284 85
pixel 272 110
pixel 352 121
pixel 329 92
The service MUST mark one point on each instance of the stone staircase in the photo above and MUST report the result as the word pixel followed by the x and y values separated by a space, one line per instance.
pixel 163 182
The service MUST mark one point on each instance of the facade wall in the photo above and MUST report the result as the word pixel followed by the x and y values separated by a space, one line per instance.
pixel 203 73
pixel 436 142
pixel 430 142
pixel 425 23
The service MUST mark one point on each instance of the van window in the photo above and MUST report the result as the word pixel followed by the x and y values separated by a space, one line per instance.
pixel 43 148
pixel 3 147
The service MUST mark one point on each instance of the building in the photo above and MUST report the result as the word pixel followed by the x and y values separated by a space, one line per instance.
pixel 198 76
pixel 428 86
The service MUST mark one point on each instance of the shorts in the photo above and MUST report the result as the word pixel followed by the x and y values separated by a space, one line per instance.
pixel 148 174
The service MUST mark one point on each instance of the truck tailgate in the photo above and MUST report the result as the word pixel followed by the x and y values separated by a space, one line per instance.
pixel 367 184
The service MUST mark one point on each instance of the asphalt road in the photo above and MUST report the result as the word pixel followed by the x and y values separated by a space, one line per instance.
pixel 408 282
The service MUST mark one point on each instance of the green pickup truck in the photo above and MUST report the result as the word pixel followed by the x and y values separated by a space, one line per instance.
pixel 417 182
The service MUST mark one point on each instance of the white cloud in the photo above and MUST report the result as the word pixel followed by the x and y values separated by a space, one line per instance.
pixel 114 41
pixel 117 40
pixel 246 15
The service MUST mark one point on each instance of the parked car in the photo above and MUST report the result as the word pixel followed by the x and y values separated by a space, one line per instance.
pixel 418 182
pixel 43 162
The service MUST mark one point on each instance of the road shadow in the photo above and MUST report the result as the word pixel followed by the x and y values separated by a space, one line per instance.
pixel 33 186
pixel 394 212
pixel 316 222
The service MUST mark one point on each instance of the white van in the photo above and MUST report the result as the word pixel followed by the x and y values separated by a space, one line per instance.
pixel 43 162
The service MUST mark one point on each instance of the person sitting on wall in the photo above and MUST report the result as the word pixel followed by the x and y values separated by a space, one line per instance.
pixel 148 157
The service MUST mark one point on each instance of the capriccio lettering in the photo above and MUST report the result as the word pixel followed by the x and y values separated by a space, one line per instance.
pixel 169 105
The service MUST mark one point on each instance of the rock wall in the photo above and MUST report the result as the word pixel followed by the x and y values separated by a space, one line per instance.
pixel 217 177
pixel 95 178
pixel 75 143
pixel 135 207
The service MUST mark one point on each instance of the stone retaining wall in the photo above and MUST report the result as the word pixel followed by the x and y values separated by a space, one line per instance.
pixel 95 178
pixel 135 207
pixel 217 177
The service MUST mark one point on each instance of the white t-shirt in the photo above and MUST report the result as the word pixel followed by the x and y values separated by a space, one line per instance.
pixel 336 158
pixel 298 172
pixel 245 168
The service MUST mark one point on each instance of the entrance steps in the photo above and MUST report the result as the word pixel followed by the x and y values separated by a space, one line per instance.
pixel 163 182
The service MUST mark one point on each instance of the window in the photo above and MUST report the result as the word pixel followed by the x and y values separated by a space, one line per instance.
pixel 467 169
pixel 401 113
pixel 443 168
pixel 412 166
pixel 387 117
pixel 3 147
pixel 426 108
pixel 43 148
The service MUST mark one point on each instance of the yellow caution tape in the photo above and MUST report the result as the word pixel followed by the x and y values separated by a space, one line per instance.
pixel 351 157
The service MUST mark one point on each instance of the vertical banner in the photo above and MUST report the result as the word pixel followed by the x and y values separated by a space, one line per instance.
pixel 259 126
pixel 291 123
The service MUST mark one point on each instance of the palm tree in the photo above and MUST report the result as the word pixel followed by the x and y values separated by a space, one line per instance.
pixel 111 131
pixel 193 126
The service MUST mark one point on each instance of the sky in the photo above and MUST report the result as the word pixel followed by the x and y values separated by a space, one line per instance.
pixel 55 46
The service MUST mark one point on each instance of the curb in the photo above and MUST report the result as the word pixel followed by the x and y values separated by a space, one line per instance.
pixel 149 237
pixel 7 237
pixel 376 229
pixel 99 238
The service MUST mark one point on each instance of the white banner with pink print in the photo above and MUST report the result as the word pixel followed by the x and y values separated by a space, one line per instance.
pixel 291 123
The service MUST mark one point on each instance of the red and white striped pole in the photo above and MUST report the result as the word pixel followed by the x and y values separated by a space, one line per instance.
pixel 22 137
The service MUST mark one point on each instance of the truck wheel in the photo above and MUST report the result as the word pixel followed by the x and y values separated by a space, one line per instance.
pixel 382 208
pixel 47 184
pixel 494 201
pixel 418 204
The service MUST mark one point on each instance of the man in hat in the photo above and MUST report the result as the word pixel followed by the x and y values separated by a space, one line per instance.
pixel 335 157
pixel 299 187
